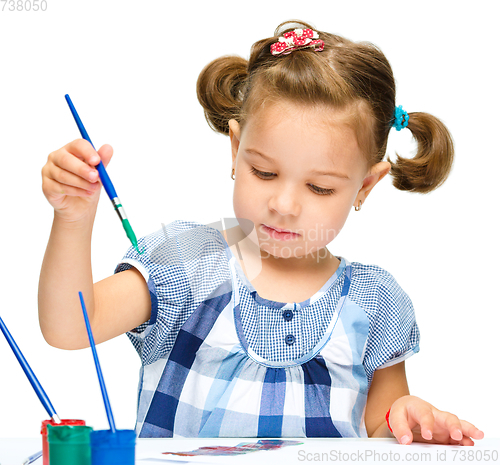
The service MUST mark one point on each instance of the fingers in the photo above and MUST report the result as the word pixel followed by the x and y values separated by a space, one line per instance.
pixel 79 158
pixel 54 188
pixel 431 425
pixel 68 179
pixel 425 418
pixel 469 432
pixel 73 165
pixel 401 428
pixel 70 170
pixel 413 419
pixel 409 414
pixel 83 150
pixel 450 423
pixel 67 170
pixel 466 441
pixel 105 152
pixel 468 429
pixel 460 431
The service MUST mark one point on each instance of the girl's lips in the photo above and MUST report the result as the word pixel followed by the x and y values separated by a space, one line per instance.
pixel 280 230
pixel 280 236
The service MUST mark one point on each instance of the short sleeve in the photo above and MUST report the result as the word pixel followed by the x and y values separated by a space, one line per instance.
pixel 182 264
pixel 168 286
pixel 393 331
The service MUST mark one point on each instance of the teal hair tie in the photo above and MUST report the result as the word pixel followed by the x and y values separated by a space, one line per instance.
pixel 400 118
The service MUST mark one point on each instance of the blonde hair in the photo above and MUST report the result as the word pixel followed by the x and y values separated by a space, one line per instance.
pixel 349 76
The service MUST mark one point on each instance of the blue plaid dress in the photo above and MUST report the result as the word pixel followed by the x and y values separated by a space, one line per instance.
pixel 218 360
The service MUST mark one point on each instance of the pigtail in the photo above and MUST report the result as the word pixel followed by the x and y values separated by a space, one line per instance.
pixel 432 164
pixel 219 89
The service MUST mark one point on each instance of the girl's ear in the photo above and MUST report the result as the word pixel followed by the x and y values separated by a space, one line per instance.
pixel 234 135
pixel 376 173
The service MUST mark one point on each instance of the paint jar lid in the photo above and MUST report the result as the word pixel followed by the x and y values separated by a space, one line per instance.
pixel 63 422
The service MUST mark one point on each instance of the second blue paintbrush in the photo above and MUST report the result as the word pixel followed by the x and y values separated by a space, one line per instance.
pixel 104 392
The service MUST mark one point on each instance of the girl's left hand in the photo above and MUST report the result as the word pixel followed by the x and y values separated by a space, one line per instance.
pixel 413 419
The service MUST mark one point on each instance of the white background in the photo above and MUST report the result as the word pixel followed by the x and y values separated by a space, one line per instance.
pixel 131 69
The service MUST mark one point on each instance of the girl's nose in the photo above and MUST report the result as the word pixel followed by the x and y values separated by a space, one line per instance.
pixel 285 201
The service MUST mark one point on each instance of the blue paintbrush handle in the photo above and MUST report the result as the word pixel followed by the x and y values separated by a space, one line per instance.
pixel 33 458
pixel 29 372
pixel 106 182
pixel 103 175
pixel 105 397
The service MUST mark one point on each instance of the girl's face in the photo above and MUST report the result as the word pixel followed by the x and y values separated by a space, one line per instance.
pixel 281 158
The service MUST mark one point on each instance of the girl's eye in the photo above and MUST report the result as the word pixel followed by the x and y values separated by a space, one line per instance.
pixel 320 190
pixel 317 190
pixel 262 174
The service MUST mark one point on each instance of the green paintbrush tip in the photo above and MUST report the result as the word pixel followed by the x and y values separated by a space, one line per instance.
pixel 131 234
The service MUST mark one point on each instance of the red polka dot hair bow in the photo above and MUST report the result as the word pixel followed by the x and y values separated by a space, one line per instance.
pixel 295 40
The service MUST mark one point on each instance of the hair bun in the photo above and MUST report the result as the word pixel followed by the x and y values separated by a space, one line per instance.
pixel 219 90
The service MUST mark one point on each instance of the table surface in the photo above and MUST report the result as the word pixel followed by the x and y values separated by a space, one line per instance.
pixel 13 451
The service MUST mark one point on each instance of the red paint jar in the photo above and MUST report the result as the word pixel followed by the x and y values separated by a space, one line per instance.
pixel 45 444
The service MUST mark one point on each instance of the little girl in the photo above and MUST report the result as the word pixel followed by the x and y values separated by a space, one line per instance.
pixel 257 330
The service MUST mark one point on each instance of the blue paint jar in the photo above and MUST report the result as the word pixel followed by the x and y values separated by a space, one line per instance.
pixel 110 448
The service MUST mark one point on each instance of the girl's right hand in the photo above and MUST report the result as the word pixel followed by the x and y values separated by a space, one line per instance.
pixel 70 181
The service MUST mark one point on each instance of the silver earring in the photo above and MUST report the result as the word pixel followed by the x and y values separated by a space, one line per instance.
pixel 358 207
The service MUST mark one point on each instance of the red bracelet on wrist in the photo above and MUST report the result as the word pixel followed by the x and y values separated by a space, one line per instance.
pixel 387 419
